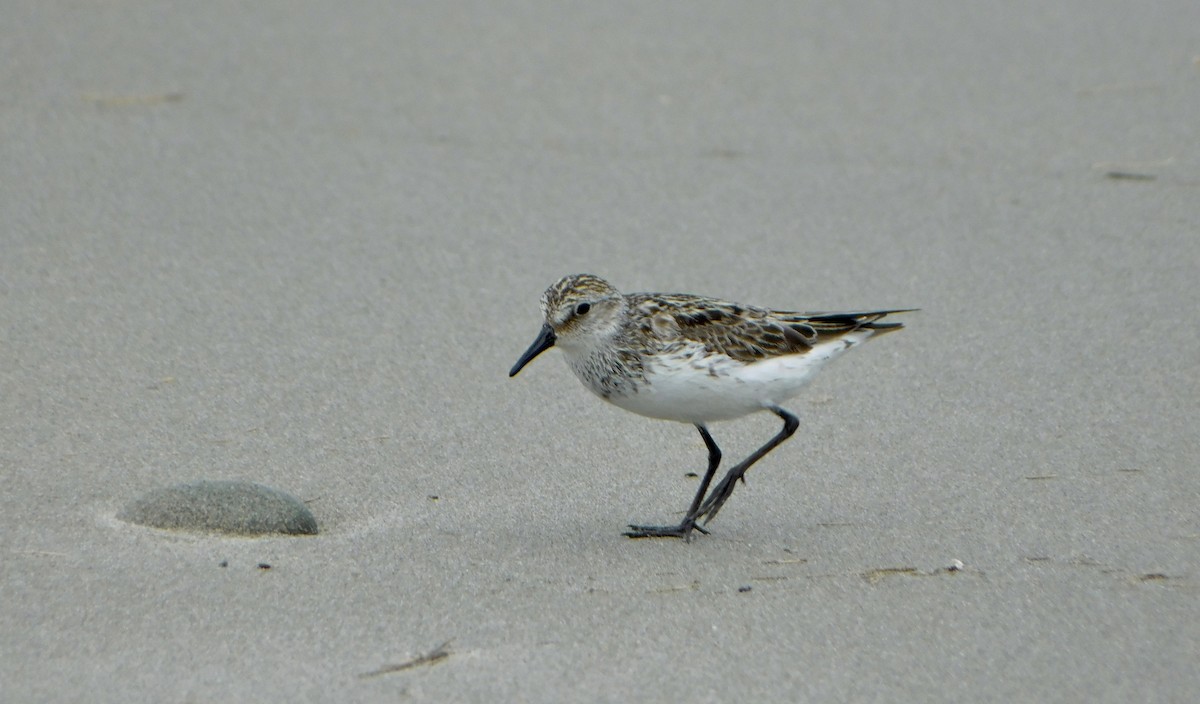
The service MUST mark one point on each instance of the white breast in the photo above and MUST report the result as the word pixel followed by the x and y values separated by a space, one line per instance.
pixel 693 387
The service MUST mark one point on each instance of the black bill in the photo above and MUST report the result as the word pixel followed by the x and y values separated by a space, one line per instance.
pixel 544 341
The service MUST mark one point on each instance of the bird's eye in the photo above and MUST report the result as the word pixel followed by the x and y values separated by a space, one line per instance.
pixel 582 308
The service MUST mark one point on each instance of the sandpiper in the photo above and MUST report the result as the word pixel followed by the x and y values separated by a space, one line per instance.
pixel 694 360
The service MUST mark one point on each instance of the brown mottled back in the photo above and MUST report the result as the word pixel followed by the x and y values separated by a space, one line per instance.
pixel 746 333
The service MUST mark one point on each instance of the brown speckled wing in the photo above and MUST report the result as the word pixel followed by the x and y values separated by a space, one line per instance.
pixel 744 333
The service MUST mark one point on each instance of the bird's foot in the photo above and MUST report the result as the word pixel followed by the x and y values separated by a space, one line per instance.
pixel 683 530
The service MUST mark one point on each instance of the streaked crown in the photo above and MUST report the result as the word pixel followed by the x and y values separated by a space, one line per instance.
pixel 560 301
pixel 582 309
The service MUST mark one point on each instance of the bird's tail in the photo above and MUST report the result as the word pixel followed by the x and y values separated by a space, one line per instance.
pixel 833 323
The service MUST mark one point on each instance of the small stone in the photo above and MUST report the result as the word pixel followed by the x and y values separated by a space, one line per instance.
pixel 240 508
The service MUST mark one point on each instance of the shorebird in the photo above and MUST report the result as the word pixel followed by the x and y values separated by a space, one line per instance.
pixel 693 359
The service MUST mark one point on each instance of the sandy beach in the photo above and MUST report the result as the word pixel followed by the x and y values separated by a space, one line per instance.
pixel 301 244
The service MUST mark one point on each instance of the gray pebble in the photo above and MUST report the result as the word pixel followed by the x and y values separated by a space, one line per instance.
pixel 242 508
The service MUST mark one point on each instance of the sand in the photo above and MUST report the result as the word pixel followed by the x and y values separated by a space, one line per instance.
pixel 301 244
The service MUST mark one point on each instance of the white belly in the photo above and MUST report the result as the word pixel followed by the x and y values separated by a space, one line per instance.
pixel 693 388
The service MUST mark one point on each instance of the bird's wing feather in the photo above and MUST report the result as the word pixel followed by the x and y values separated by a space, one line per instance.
pixel 745 333
pixel 741 332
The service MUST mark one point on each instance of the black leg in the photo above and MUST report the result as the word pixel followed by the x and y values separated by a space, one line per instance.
pixel 684 529
pixel 724 489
